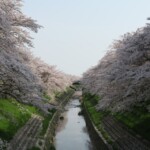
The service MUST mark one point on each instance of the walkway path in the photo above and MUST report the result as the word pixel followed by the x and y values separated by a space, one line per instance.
pixel 122 138
pixel 26 137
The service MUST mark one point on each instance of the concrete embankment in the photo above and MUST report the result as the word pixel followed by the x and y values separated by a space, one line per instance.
pixel 121 137
pixel 99 142
pixel 49 136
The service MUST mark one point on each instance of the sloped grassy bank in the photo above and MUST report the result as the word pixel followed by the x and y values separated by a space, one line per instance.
pixel 93 119
pixel 13 115
pixel 137 120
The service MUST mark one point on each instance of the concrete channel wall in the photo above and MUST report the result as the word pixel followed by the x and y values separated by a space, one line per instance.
pixel 49 136
pixel 95 135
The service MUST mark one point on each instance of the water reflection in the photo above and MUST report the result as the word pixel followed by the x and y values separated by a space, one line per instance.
pixel 71 133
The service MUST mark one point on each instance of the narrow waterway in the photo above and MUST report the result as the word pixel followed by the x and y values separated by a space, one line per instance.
pixel 71 133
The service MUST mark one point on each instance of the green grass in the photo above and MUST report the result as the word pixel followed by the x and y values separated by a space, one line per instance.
pixel 90 102
pixel 46 121
pixel 60 96
pixel 46 96
pixel 94 114
pixel 13 115
pixel 138 120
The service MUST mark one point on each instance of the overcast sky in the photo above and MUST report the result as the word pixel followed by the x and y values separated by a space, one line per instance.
pixel 77 33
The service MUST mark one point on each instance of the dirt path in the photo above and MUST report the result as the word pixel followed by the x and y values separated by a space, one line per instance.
pixel 26 137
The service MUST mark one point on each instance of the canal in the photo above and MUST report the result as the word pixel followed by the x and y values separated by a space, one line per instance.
pixel 72 133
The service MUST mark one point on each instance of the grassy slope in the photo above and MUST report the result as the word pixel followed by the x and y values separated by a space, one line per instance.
pixel 96 116
pixel 13 115
pixel 138 120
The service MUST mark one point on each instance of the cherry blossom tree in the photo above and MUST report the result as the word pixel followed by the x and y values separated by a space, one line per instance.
pixel 22 76
pixel 122 77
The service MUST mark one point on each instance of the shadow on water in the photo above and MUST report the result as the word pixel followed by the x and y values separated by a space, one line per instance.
pixel 72 133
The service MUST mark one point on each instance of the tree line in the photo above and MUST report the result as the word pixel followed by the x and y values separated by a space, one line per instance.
pixel 22 75
pixel 122 76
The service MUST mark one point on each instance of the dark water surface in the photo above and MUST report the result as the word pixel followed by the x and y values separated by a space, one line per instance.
pixel 71 133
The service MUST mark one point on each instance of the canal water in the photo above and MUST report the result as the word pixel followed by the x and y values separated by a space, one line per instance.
pixel 71 133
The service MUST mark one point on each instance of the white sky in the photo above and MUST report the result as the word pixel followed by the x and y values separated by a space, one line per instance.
pixel 77 33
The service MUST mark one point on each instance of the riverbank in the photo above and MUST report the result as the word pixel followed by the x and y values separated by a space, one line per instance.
pixel 115 132
pixel 99 141
pixel 46 142
pixel 13 116
pixel 30 127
